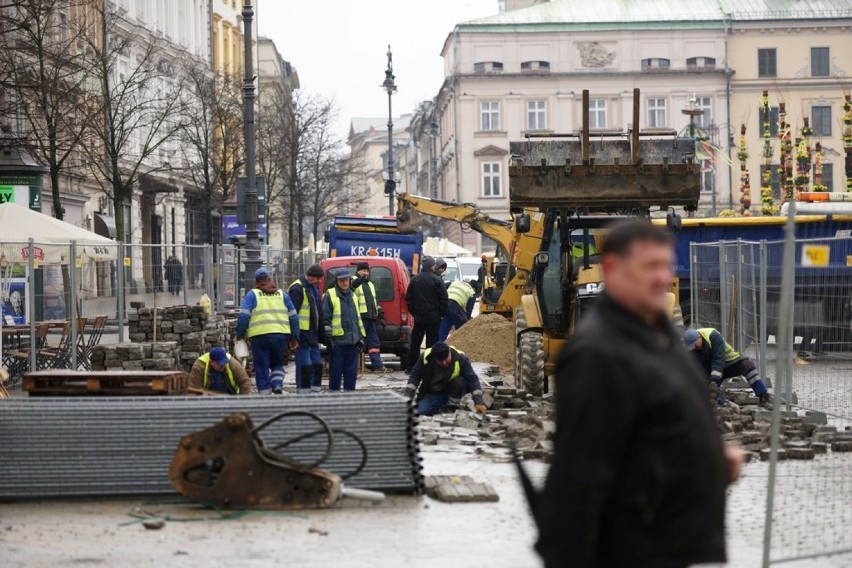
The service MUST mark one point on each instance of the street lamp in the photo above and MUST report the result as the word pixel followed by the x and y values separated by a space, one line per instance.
pixel 252 260
pixel 389 177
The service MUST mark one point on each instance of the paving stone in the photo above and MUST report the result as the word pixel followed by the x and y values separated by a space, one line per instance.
pixel 841 446
pixel 800 453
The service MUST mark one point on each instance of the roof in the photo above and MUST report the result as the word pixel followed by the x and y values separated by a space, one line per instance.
pixel 786 9
pixel 559 15
pixel 359 125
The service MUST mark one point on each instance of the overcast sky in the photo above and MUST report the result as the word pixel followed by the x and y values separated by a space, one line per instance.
pixel 339 47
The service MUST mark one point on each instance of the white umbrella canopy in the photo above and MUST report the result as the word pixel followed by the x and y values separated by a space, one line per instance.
pixel 52 238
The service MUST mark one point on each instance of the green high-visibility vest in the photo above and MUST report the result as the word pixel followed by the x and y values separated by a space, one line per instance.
pixel 456 368
pixel 460 292
pixel 336 316
pixel 206 358
pixel 304 309
pixel 731 354
pixel 269 315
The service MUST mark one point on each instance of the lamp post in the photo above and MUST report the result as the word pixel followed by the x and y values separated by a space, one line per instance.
pixel 389 177
pixel 252 260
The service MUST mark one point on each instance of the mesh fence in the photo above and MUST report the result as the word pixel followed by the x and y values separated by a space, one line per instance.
pixel 736 287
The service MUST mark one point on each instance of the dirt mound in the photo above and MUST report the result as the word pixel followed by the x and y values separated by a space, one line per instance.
pixel 489 338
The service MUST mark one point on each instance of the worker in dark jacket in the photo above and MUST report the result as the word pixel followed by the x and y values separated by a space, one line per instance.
pixel 639 471
pixel 371 313
pixel 427 301
pixel 721 361
pixel 444 375
pixel 304 293
pixel 344 332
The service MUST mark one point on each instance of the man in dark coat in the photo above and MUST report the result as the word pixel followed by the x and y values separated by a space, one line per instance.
pixel 639 472
pixel 427 301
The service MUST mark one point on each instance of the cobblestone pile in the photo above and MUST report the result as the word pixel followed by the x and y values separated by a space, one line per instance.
pixel 513 416
pixel 194 331
pixel 161 356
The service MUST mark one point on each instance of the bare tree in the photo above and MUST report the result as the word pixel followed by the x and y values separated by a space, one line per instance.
pixel 275 108
pixel 141 108
pixel 212 137
pixel 44 61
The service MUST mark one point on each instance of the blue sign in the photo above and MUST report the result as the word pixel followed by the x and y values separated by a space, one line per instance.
pixel 231 227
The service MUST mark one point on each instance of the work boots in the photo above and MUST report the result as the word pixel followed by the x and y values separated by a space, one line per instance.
pixel 305 372
pixel 765 401
pixel 316 385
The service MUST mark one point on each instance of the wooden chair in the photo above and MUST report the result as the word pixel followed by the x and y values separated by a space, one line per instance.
pixel 94 339
pixel 20 357
pixel 58 357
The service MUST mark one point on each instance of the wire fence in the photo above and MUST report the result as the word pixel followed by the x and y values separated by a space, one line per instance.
pixel 59 300
pixel 805 344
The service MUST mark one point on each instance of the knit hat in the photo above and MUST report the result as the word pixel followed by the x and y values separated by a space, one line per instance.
pixel 262 274
pixel 316 271
pixel 362 266
pixel 218 354
pixel 690 338
pixel 427 263
pixel 440 351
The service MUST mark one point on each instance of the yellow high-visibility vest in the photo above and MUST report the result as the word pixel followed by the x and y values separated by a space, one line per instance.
pixel 460 292
pixel 456 368
pixel 304 309
pixel 270 315
pixel 731 354
pixel 336 316
pixel 362 297
pixel 206 359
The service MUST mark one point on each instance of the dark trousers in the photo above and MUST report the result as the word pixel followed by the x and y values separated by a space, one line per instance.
pixel 374 346
pixel 430 331
pixel 343 363
pixel 455 318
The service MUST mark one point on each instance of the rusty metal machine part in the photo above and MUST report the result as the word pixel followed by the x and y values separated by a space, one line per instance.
pixel 228 464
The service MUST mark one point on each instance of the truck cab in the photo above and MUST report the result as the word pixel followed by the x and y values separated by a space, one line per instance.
pixel 390 277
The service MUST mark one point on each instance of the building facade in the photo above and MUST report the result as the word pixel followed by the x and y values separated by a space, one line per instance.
pixel 368 151
pixel 803 57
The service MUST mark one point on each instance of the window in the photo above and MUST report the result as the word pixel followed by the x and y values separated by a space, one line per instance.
pixel 827 176
pixel 488 67
pixel 656 113
pixel 767 63
pixel 491 185
pixel 533 66
pixel 701 63
pixel 597 114
pixel 773 122
pixel 774 180
pixel 489 112
pixel 707 176
pixel 536 115
pixel 705 104
pixel 820 63
pixel 380 276
pixel 821 120
pixel 656 63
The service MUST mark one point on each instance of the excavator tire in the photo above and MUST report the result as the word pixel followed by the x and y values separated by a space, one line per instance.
pixel 529 357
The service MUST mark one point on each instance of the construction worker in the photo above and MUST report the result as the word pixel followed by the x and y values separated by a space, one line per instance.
pixel 344 332
pixel 440 378
pixel 304 293
pixel 267 317
pixel 217 371
pixel 462 298
pixel 368 305
pixel 427 300
pixel 721 361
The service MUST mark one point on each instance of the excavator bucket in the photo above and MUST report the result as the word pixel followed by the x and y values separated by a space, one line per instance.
pixel 609 171
pixel 409 221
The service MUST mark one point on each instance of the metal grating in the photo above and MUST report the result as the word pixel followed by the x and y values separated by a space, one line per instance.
pixel 120 446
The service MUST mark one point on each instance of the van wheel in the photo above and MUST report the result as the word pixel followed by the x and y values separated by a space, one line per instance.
pixel 529 357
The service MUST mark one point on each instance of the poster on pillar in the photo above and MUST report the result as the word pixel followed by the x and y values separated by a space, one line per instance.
pixel 15 301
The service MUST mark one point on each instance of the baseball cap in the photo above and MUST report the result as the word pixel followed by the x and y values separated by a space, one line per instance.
pixel 316 271
pixel 690 338
pixel 218 354
pixel 440 350
pixel 342 273
pixel 261 274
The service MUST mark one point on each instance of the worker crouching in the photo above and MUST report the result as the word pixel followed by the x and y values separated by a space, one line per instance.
pixel 344 332
pixel 444 375
pixel 722 362
pixel 217 371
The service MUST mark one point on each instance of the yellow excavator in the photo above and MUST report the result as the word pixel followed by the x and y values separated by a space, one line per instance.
pixel 582 184
pixel 506 276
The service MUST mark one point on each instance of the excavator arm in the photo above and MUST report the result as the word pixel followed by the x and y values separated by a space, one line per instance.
pixel 502 292
pixel 412 210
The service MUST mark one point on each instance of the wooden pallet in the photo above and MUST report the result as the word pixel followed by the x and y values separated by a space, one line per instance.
pixel 59 382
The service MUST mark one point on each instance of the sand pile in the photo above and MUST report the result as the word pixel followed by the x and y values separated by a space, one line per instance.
pixel 489 338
